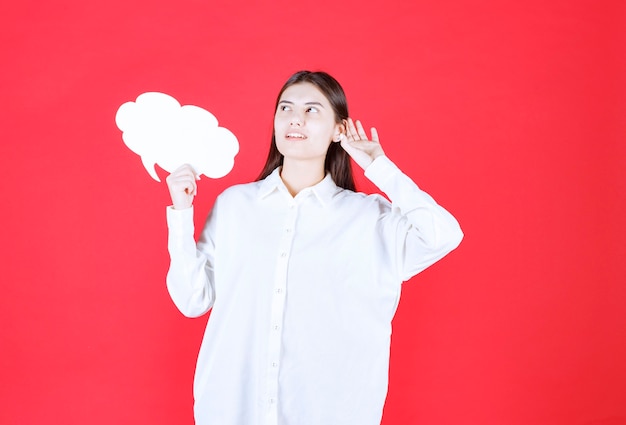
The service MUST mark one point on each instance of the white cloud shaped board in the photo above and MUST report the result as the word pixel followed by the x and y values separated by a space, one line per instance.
pixel 161 131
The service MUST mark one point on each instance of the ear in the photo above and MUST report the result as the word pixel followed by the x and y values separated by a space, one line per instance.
pixel 340 129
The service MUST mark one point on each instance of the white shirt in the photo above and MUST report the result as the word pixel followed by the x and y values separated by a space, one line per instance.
pixel 302 291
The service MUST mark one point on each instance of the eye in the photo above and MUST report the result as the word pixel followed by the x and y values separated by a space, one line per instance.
pixel 284 108
pixel 312 109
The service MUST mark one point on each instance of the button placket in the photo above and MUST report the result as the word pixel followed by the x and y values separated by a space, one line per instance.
pixel 277 310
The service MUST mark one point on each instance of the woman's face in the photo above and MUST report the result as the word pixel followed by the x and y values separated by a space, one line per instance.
pixel 304 123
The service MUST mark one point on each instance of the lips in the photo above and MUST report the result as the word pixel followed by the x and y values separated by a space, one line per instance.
pixel 295 136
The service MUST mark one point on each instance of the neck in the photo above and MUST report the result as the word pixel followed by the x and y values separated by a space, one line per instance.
pixel 298 175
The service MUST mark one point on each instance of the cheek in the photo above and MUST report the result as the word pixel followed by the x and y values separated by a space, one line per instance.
pixel 329 130
pixel 280 121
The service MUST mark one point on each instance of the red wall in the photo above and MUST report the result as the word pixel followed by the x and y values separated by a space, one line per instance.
pixel 512 114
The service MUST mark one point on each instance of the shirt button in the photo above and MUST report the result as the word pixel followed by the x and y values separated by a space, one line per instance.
pixel 276 327
pixel 272 401
pixel 279 290
pixel 283 254
pixel 274 364
pixel 288 230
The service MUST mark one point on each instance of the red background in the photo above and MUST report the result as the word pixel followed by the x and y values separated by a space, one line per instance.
pixel 510 113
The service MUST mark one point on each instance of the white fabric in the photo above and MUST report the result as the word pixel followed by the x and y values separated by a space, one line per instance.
pixel 302 291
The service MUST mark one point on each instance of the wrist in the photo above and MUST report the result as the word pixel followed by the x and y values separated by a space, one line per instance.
pixel 181 206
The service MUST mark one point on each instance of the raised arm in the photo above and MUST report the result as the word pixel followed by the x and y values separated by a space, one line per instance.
pixel 420 231
pixel 190 276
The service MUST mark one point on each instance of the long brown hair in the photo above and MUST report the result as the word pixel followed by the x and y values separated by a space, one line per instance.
pixel 337 161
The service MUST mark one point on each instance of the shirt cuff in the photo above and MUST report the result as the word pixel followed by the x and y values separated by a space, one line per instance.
pixel 180 221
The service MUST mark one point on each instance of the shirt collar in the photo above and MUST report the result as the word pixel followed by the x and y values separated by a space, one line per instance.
pixel 323 191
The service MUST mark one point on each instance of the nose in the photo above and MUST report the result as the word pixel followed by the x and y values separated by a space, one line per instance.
pixel 295 120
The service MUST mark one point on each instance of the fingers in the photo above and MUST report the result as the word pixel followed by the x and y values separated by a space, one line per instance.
pixel 352 132
pixel 187 170
pixel 356 132
pixel 375 135
pixel 184 176
pixel 361 130
pixel 182 186
pixel 358 146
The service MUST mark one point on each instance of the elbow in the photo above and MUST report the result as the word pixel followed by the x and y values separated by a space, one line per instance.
pixel 446 240
pixel 191 313
pixel 451 234
pixel 456 237
pixel 422 253
pixel 453 238
pixel 191 303
pixel 189 307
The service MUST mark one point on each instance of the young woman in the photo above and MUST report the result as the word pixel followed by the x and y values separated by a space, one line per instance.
pixel 301 273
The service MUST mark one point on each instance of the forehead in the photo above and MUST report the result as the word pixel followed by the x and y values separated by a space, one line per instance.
pixel 304 93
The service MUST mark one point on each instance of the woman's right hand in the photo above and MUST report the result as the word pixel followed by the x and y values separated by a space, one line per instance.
pixel 182 186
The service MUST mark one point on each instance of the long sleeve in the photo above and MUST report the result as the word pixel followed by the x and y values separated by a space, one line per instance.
pixel 421 231
pixel 190 276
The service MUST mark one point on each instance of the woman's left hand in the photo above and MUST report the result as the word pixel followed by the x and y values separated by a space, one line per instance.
pixel 358 146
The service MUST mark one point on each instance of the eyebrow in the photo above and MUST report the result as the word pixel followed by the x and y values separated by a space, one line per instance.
pixel 307 103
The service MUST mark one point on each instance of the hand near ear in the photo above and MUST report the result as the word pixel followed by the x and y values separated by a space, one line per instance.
pixel 358 146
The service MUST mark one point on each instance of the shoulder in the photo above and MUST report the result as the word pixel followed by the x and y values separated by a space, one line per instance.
pixel 240 192
pixel 233 201
pixel 374 202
